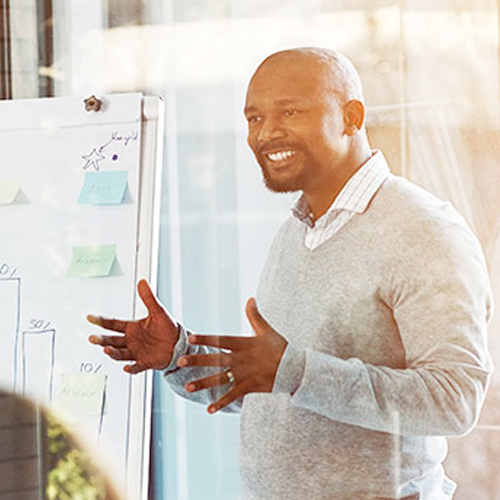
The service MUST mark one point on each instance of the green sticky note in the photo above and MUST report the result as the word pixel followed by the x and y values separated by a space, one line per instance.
pixel 92 261
pixel 8 191
pixel 103 188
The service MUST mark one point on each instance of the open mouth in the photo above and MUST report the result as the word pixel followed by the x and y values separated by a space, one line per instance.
pixel 280 156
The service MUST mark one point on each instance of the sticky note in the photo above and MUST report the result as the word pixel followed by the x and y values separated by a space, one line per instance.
pixel 8 191
pixel 92 261
pixel 103 188
pixel 82 393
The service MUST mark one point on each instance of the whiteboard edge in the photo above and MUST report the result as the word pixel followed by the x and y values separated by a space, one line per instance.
pixel 152 133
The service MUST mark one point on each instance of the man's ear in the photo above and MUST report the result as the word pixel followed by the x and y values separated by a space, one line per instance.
pixel 354 116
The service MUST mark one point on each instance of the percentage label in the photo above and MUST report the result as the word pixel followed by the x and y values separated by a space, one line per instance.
pixel 90 367
pixel 7 271
pixel 39 325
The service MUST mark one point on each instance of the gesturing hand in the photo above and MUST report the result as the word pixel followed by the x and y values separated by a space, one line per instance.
pixel 252 361
pixel 148 342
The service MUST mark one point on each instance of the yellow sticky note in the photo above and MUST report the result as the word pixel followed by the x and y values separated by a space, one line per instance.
pixel 8 191
pixel 82 393
pixel 92 261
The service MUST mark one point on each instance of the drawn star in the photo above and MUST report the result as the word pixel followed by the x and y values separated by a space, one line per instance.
pixel 93 160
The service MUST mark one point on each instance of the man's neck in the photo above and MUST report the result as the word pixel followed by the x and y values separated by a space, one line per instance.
pixel 319 202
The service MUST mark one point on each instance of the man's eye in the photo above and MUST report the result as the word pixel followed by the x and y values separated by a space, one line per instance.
pixel 253 119
pixel 290 112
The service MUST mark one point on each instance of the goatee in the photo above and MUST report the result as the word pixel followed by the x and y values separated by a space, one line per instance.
pixel 279 187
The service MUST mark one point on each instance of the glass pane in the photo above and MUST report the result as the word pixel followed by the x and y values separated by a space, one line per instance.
pixel 430 71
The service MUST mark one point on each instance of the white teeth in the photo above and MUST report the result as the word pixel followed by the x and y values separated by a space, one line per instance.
pixel 280 155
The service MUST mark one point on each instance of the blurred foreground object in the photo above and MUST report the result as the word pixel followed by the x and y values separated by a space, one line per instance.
pixel 40 459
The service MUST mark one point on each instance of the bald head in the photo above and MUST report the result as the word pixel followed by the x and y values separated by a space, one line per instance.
pixel 305 114
pixel 335 70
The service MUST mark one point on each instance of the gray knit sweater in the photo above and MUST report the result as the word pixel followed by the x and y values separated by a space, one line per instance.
pixel 386 324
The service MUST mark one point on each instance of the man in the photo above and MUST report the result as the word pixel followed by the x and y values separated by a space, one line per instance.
pixel 370 330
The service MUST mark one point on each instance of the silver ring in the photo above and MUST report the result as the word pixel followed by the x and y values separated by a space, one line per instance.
pixel 230 377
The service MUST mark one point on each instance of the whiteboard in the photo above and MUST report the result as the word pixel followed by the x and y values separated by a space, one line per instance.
pixel 79 198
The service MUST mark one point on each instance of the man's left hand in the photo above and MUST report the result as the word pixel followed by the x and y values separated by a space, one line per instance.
pixel 252 361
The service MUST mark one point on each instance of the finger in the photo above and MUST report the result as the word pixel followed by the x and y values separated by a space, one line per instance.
pixel 116 325
pixel 235 393
pixel 118 354
pixel 108 340
pixel 221 341
pixel 147 296
pixel 134 368
pixel 258 323
pixel 219 359
pixel 205 383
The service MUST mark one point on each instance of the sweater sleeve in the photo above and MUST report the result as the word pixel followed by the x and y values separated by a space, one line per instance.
pixel 178 377
pixel 439 296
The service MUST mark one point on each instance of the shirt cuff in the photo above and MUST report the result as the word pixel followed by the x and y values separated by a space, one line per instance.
pixel 290 370
pixel 180 348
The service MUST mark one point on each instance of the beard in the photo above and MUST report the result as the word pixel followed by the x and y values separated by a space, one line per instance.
pixel 283 184
pixel 280 186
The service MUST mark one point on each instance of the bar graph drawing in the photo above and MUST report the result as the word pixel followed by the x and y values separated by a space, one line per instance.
pixel 37 363
pixel 10 311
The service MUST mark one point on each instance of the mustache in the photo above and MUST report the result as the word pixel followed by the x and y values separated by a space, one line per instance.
pixel 273 146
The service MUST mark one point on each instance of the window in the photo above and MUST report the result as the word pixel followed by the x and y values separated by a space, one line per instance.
pixel 433 109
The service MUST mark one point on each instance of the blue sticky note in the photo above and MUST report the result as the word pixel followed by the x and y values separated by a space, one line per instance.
pixel 103 188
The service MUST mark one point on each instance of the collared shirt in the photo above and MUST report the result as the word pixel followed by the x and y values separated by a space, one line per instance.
pixel 352 199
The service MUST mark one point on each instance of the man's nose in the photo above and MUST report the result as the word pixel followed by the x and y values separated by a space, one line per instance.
pixel 271 129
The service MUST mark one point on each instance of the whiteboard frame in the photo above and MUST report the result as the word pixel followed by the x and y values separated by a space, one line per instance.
pixel 136 480
pixel 33 114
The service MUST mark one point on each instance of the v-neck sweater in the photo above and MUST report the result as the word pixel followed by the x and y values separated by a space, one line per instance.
pixel 386 355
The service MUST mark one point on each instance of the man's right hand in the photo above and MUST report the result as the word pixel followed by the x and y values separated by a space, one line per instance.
pixel 148 342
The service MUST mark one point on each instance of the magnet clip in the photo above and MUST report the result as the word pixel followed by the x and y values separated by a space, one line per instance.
pixel 92 103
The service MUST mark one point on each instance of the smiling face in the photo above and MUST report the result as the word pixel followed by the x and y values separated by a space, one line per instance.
pixel 296 123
